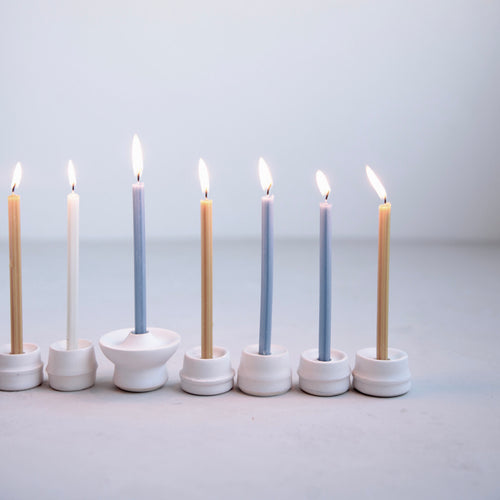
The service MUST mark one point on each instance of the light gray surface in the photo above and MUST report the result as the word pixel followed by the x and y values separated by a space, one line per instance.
pixel 408 87
pixel 439 441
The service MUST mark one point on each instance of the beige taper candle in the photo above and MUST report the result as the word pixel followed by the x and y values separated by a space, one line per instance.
pixel 206 267
pixel 16 305
pixel 384 236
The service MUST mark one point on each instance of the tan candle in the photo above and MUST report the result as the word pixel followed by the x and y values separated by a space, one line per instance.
pixel 16 306
pixel 206 266
pixel 384 236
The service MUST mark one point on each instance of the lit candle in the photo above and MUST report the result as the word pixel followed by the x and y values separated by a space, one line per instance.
pixel 206 265
pixel 139 239
pixel 267 247
pixel 73 260
pixel 325 269
pixel 16 302
pixel 384 235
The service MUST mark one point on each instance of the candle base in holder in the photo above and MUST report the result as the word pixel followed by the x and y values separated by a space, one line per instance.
pixel 207 377
pixel 382 378
pixel 19 372
pixel 71 369
pixel 265 374
pixel 139 358
pixel 324 378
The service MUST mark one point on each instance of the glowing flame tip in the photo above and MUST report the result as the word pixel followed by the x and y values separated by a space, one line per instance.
pixel 323 184
pixel 204 179
pixel 16 177
pixel 376 184
pixel 71 174
pixel 266 179
pixel 137 160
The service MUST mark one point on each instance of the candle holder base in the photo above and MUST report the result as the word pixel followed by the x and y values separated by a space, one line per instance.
pixel 324 378
pixel 71 369
pixel 207 377
pixel 265 374
pixel 139 358
pixel 382 378
pixel 19 372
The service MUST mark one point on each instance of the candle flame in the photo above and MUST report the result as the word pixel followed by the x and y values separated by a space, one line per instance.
pixel 16 177
pixel 204 180
pixel 137 161
pixel 266 180
pixel 323 184
pixel 376 184
pixel 71 175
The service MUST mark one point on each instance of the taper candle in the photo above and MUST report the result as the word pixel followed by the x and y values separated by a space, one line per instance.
pixel 73 261
pixel 206 265
pixel 325 269
pixel 139 239
pixel 267 260
pixel 16 303
pixel 384 235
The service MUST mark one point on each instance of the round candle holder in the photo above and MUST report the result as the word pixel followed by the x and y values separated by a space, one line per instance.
pixel 382 378
pixel 139 358
pixel 207 377
pixel 19 372
pixel 324 378
pixel 265 374
pixel 71 369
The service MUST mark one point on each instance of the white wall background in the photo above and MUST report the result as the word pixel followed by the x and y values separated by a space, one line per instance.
pixel 410 87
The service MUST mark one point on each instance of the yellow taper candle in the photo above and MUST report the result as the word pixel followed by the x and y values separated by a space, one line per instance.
pixel 16 305
pixel 206 265
pixel 384 237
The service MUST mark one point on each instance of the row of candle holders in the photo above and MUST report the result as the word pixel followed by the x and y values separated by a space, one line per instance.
pixel 141 365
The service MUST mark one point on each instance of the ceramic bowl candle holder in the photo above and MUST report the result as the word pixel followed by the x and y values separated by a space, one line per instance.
pixel 324 378
pixel 382 378
pixel 207 377
pixel 265 374
pixel 140 358
pixel 19 372
pixel 71 369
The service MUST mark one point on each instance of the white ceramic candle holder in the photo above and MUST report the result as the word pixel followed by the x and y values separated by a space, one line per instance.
pixel 19 372
pixel 265 374
pixel 382 378
pixel 207 377
pixel 140 358
pixel 73 369
pixel 324 378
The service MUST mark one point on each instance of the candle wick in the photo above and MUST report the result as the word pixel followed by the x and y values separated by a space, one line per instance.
pixel 268 189
pixel 327 194
pixel 13 187
pixel 73 188
pixel 138 177
pixel 206 194
pixel 385 199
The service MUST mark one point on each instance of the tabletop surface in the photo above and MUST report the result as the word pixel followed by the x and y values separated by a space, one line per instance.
pixel 441 440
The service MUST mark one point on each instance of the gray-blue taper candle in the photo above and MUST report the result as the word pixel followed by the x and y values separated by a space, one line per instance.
pixel 325 282
pixel 266 277
pixel 139 258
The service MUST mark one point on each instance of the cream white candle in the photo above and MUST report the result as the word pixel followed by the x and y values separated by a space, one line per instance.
pixel 73 260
